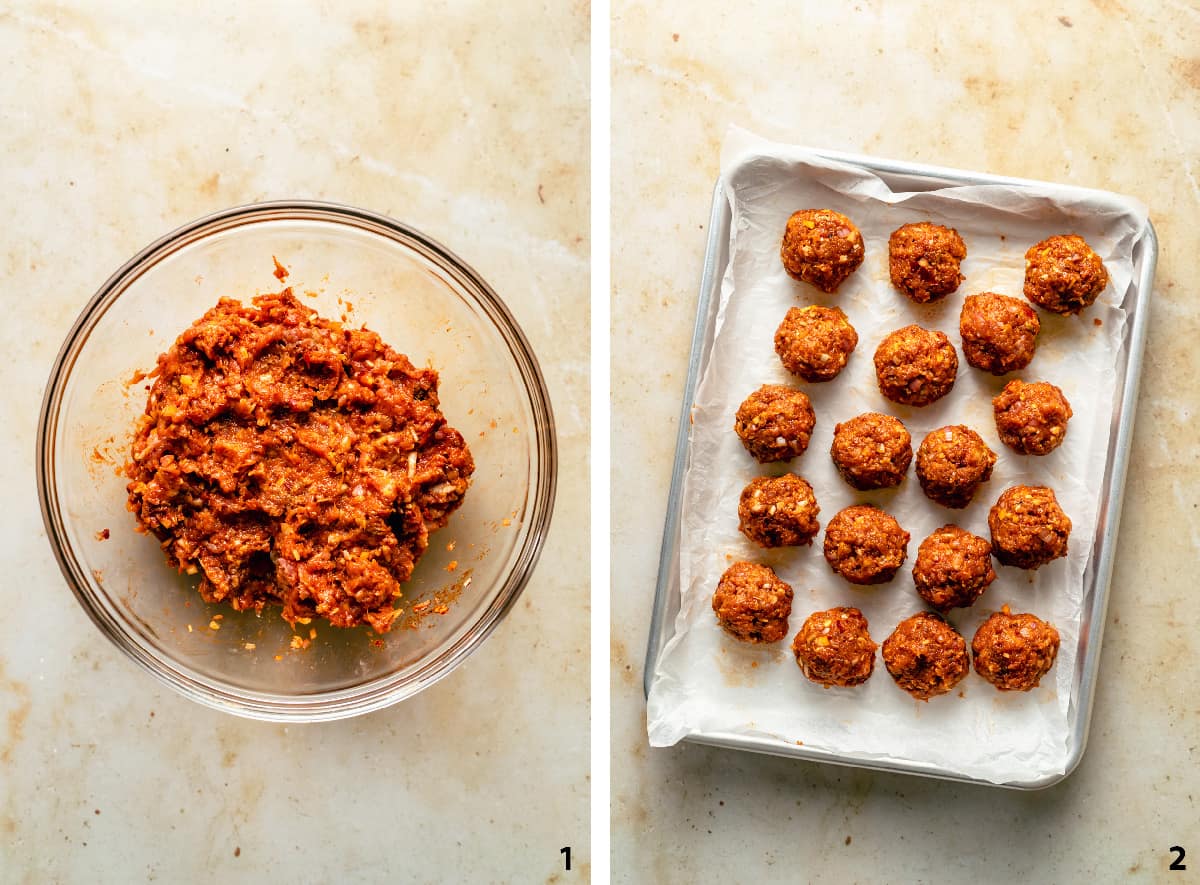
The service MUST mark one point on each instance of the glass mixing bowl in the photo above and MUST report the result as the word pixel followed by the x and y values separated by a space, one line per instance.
pixel 423 301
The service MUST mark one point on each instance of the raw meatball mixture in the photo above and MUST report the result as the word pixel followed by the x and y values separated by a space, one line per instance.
pixel 752 603
pixel 775 423
pixel 778 511
pixel 872 451
pixel 821 247
pixel 952 463
pixel 865 545
pixel 924 260
pixel 1014 652
pixel 915 366
pixel 926 656
pixel 815 342
pixel 1028 527
pixel 834 648
pixel 1031 418
pixel 999 333
pixel 1063 274
pixel 953 568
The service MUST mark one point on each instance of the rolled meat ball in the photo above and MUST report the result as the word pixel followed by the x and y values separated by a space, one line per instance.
pixel 775 423
pixel 865 545
pixel 1063 275
pixel 924 260
pixel 834 648
pixel 778 511
pixel 915 366
pixel 1014 652
pixel 815 342
pixel 952 463
pixel 821 247
pixel 752 603
pixel 926 656
pixel 953 568
pixel 999 333
pixel 1031 418
pixel 1028 527
pixel 872 451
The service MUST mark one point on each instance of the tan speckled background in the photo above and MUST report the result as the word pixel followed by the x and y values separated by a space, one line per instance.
pixel 1104 94
pixel 120 121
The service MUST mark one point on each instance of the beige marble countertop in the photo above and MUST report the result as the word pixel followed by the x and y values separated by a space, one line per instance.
pixel 1104 94
pixel 121 121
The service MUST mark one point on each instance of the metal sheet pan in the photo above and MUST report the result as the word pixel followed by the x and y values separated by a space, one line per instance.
pixel 914 177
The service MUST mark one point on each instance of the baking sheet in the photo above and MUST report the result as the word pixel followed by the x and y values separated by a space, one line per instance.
pixel 705 683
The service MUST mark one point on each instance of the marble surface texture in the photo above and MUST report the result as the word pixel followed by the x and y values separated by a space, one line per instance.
pixel 120 121
pixel 1103 94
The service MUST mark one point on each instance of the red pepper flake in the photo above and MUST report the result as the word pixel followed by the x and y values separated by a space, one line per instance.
pixel 103 535
pixel 1097 322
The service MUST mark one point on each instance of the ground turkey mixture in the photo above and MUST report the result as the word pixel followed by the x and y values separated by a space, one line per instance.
pixel 953 568
pixel 834 648
pixel 952 463
pixel 1031 418
pixel 815 342
pixel 1028 527
pixel 821 247
pixel 999 333
pixel 871 451
pixel 926 656
pixel 775 423
pixel 865 545
pixel 752 603
pixel 1014 652
pixel 915 366
pixel 924 259
pixel 1063 274
pixel 288 460
pixel 778 511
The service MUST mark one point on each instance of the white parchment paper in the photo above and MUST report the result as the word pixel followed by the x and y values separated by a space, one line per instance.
pixel 708 683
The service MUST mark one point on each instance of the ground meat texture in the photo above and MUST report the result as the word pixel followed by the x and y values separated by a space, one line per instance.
pixel 834 648
pixel 1063 275
pixel 1028 527
pixel 865 545
pixel 926 656
pixel 815 342
pixel 1014 652
pixel 821 247
pixel 752 603
pixel 1031 418
pixel 924 260
pixel 872 451
pixel 286 459
pixel 779 511
pixel 775 423
pixel 953 568
pixel 999 333
pixel 952 463
pixel 915 366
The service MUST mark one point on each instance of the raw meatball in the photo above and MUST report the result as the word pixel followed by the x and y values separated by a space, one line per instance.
pixel 999 333
pixel 1031 418
pixel 1063 274
pixel 952 463
pixel 924 260
pixel 835 648
pixel 865 545
pixel 778 511
pixel 752 603
pixel 821 247
pixel 926 656
pixel 815 342
pixel 1014 652
pixel 953 568
pixel 775 423
pixel 1028 527
pixel 872 451
pixel 915 366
